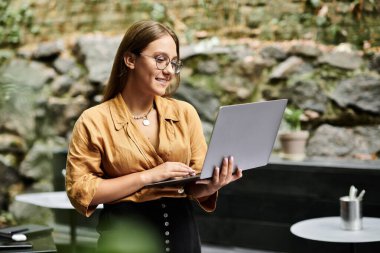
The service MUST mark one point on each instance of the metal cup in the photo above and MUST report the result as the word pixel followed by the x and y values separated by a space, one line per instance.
pixel 351 213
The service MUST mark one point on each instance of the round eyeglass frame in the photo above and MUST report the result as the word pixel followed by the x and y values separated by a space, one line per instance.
pixel 176 65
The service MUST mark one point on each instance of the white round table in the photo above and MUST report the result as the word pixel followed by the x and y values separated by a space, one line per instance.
pixel 328 229
pixel 54 200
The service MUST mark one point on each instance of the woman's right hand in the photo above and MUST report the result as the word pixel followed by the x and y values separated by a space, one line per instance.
pixel 109 189
pixel 165 171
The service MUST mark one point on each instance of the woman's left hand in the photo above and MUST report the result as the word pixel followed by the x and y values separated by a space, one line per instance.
pixel 221 177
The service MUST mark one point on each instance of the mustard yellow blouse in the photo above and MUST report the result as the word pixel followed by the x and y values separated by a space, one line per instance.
pixel 106 143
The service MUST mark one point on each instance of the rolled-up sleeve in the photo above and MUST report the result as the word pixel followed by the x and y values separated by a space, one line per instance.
pixel 83 167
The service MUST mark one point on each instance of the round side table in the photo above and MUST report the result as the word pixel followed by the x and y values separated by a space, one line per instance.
pixel 327 229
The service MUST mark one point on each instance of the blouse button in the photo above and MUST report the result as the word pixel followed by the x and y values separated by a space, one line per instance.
pixel 163 205
pixel 167 241
pixel 166 215
pixel 167 249
pixel 167 233
pixel 181 190
pixel 166 224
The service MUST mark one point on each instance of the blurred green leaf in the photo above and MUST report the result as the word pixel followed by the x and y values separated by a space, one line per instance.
pixel 292 117
pixel 315 3
pixel 321 21
pixel 13 22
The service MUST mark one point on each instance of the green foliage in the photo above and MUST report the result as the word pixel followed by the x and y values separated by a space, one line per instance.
pixel 14 22
pixel 7 219
pixel 292 117
pixel 347 22
pixel 315 3
pixel 158 12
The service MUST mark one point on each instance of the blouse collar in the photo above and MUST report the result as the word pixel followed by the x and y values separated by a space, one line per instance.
pixel 121 115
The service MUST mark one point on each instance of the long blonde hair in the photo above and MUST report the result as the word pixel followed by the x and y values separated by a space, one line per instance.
pixel 135 40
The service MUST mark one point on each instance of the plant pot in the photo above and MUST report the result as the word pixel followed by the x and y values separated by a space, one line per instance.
pixel 293 145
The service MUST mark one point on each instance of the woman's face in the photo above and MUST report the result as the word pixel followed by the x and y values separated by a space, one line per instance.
pixel 147 78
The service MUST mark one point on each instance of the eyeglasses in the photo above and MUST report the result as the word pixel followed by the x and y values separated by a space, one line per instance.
pixel 162 61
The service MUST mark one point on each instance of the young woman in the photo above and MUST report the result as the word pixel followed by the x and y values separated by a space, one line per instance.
pixel 138 136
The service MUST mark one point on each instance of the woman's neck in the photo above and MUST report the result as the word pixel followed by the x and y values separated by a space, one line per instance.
pixel 137 103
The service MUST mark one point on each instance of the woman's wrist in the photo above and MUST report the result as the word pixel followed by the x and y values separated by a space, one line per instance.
pixel 199 191
pixel 145 178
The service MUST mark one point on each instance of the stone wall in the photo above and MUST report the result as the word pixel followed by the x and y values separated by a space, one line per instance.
pixel 326 21
pixel 46 86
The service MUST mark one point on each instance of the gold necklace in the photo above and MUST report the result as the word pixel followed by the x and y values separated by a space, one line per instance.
pixel 145 121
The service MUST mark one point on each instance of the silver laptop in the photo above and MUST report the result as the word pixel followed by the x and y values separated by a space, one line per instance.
pixel 245 131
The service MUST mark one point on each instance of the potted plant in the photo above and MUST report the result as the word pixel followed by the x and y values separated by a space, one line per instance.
pixel 293 141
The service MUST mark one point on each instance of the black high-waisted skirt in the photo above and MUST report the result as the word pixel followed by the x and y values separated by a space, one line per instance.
pixel 158 226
